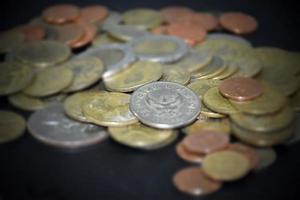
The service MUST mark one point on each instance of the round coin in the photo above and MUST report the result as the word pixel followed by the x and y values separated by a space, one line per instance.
pixel 90 31
pixel 175 74
pixel 126 32
pixel 187 155
pixel 25 102
pixel 228 37
pixel 60 14
pixel 32 32
pixel 219 125
pixel 9 40
pixel 200 87
pixel 94 13
pixel 69 34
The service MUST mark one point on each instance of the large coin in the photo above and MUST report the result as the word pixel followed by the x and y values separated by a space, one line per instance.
pixel 165 105
pixel 10 40
pixel 52 127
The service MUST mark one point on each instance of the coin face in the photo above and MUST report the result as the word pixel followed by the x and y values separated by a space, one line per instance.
pixel 9 40
pixel 12 126
pixel 69 33
pixel 228 37
pixel 175 74
pixel 187 155
pixel 165 105
pixel 61 13
pixel 104 39
pixel 94 13
pixel 200 87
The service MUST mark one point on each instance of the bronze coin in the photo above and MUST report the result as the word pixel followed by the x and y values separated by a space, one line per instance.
pixel 90 32
pixel 241 88
pixel 238 23
pixel 193 181
pixel 69 33
pixel 60 14
pixel 206 141
pixel 186 155
pixel 32 33
pixel 159 30
pixel 206 20
pixel 175 13
pixel 94 13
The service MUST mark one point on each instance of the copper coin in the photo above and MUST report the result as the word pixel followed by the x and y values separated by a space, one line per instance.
pixel 159 30
pixel 238 23
pixel 191 34
pixel 175 13
pixel 60 14
pixel 241 88
pixel 206 20
pixel 94 14
pixel 193 181
pixel 89 34
pixel 206 141
pixel 186 155
pixel 69 33
pixel 32 32
pixel 248 151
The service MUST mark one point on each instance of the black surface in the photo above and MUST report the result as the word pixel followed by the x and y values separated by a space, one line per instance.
pixel 31 170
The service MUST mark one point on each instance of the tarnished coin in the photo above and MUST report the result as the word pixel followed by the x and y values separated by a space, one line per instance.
pixel 228 37
pixel 25 102
pixel 141 137
pixel 114 18
pixel 14 77
pixel 126 32
pixel 32 32
pixel 175 13
pixel 165 105
pixel 226 165
pixel 61 13
pixel 9 40
pixel 12 126
pixel 249 64
pixel 109 109
pixel 86 70
pixel 49 81
pixel 50 126
pixel 175 74
pixel 193 181
pixel 267 156
pixel 158 48
pixel 43 53
pixel 94 13
pixel 187 155
pixel 206 20
pixel 136 75
pixel 200 87
pixel 219 125
pixel 104 39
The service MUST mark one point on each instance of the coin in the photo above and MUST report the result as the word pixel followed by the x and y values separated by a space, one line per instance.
pixel 49 81
pixel 205 20
pixel 193 181
pixel 295 101
pixel 114 18
pixel 90 31
pixel 104 39
pixel 231 70
pixel 228 38
pixel 140 136
pixel 226 165
pixel 10 40
pixel 165 105
pixel 86 70
pixel 32 32
pixel 136 75
pixel 219 125
pixel 209 113
pixel 175 13
pixel 267 156
pixel 239 23
pixel 43 53
pixel 61 13
pixel 200 87
pixel 187 155
pixel 12 126
pixel 69 33
pixel 215 67
pixel 94 13
pixel 50 126
pixel 126 32
pixel 25 102
pixel 109 109
pixel 159 48
pixel 216 102
pixel 175 74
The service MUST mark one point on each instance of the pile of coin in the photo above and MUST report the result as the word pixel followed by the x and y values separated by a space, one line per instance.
pixel 143 77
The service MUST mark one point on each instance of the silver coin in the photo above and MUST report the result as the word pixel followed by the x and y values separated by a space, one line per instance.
pixel 115 57
pixel 158 42
pixel 52 127
pixel 126 32
pixel 225 36
pixel 113 19
pixel 165 105
pixel 267 157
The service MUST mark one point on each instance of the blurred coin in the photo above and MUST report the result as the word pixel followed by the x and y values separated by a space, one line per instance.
pixel 175 74
pixel 114 18
pixel 25 102
pixel 175 13
pixel 104 39
pixel 200 87
pixel 159 30
pixel 90 31
pixel 209 113
pixel 32 32
pixel 126 32
pixel 187 155
pixel 249 64
pixel 205 20
pixel 10 40
pixel 94 13
pixel 267 156
pixel 219 125
pixel 61 13
pixel 69 33
pixel 229 38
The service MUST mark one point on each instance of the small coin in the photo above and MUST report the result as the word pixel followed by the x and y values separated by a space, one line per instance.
pixel 226 165
pixel 126 32
pixel 14 77
pixel 12 126
pixel 239 23
pixel 200 87
pixel 136 75
pixel 60 14
pixel 159 48
pixel 104 39
pixel 109 109
pixel 49 81
pixel 32 33
pixel 141 137
pixel 50 126
pixel 193 181
pixel 90 31
pixel 267 156
pixel 175 74
pixel 86 70
pixel 187 155
pixel 219 125
pixel 9 40
pixel 165 105
pixel 25 102
pixel 94 13
pixel 209 113
pixel 69 34
pixel 175 13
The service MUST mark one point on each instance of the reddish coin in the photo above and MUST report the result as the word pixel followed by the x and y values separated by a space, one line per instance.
pixel 241 88
pixel 206 141
pixel 246 150
pixel 159 30
pixel 89 34
pixel 32 32
pixel 69 33
pixel 175 13
pixel 238 23
pixel 183 153
pixel 60 14
pixel 206 20
pixel 94 14
pixel 193 181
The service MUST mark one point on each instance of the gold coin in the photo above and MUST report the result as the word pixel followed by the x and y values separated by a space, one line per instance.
pixel 222 125
pixel 49 81
pixel 109 109
pixel 232 68
pixel 215 67
pixel 265 123
pixel 143 18
pixel 226 165
pixel 9 40
pixel 175 74
pixel 43 53
pixel 200 87
pixel 12 126
pixel 194 61
pixel 142 137
pixel 25 102
pixel 269 102
pixel 136 75
pixel 295 101
pixel 14 77
pixel 209 113
pixel 155 47
pixel 216 102
pixel 87 71
pixel 103 39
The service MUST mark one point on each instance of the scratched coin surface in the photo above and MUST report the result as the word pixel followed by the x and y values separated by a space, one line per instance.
pixel 165 105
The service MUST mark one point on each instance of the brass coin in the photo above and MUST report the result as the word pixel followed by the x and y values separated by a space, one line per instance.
pixel 61 13
pixel 25 102
pixel 12 126
pixel 175 74
pixel 126 32
pixel 231 69
pixel 215 67
pixel 267 156
pixel 49 81
pixel 109 109
pixel 216 102
pixel 14 77
pixel 221 125
pixel 209 113
pixel 104 38
pixel 140 136
pixel 43 53
pixel 69 34
pixel 86 70
pixel 295 101
pixel 10 40
pixel 200 87
pixel 136 75
pixel 226 165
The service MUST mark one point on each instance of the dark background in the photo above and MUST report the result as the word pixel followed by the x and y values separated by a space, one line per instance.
pixel 31 170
